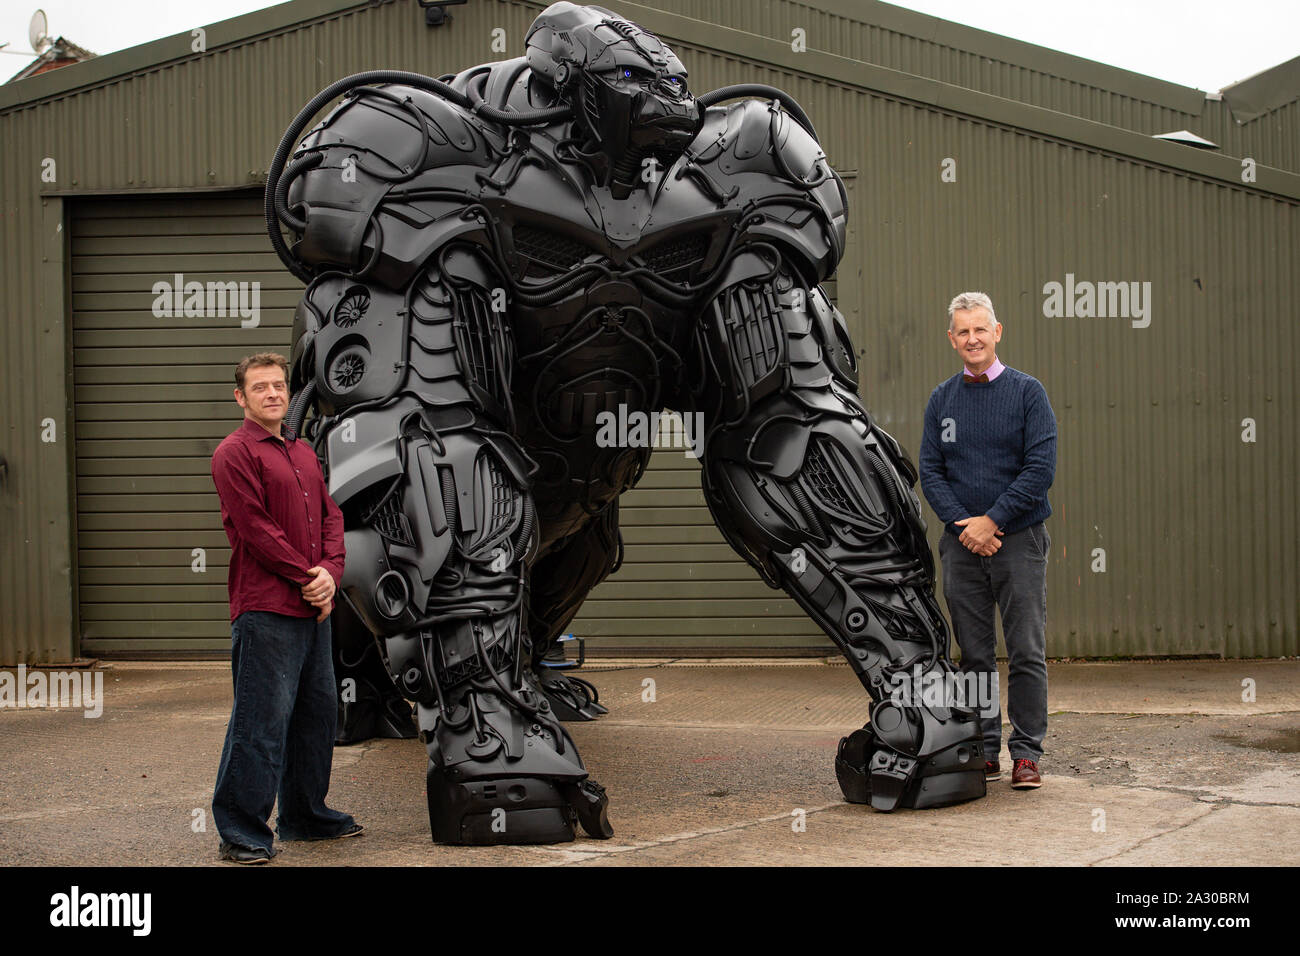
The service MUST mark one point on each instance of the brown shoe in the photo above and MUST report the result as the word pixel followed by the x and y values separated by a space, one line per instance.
pixel 992 770
pixel 1024 776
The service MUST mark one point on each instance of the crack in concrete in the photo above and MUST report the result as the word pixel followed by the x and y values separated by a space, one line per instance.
pixel 1200 794
pixel 353 753
pixel 596 852
pixel 109 808
pixel 1213 808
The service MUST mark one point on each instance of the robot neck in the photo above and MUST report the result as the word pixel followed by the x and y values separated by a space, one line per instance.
pixel 621 171
pixel 626 172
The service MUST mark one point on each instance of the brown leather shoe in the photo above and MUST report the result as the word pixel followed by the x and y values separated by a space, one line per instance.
pixel 1024 776
pixel 992 770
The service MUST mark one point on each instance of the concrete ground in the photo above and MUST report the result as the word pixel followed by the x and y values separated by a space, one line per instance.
pixel 1146 764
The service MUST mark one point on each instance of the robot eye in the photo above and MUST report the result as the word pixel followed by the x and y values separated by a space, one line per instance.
pixel 627 73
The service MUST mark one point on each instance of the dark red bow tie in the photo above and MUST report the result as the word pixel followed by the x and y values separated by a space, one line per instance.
pixel 981 377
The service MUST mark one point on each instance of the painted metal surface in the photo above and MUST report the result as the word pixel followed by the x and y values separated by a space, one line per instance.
pixel 1198 526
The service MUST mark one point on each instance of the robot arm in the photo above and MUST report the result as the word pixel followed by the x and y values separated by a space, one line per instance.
pixel 402 348
pixel 362 189
pixel 436 493
pixel 799 479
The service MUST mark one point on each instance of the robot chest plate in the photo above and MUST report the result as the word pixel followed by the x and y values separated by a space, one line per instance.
pixel 543 254
pixel 550 229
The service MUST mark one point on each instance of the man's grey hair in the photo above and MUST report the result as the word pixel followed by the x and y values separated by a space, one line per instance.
pixel 972 300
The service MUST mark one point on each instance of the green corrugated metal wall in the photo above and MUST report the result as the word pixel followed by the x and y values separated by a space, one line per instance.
pixel 1199 528
pixel 922 45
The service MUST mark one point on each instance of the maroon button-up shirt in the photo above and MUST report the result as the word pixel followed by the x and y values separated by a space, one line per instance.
pixel 279 518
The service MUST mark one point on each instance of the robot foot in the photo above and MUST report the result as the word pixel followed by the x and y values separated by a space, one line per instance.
pixel 498 776
pixel 572 698
pixel 872 771
pixel 514 810
pixel 373 714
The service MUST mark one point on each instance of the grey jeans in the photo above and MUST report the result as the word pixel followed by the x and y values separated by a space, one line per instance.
pixel 1015 579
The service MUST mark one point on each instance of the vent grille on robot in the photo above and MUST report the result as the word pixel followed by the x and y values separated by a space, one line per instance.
pixel 391 523
pixel 755 331
pixel 549 247
pixel 678 254
pixel 822 481
pixel 382 509
pixel 589 105
pixel 477 342
pixel 471 667
pixel 503 500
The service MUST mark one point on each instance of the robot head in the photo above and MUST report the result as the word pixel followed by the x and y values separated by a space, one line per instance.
pixel 628 89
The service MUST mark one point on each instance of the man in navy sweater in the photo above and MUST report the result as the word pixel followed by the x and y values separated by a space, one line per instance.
pixel 988 456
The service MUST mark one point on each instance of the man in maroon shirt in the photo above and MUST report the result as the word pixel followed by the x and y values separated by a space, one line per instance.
pixel 286 557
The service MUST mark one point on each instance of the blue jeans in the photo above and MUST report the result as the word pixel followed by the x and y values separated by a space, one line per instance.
pixel 1015 580
pixel 280 739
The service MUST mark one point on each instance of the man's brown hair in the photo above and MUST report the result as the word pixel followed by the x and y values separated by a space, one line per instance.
pixel 257 361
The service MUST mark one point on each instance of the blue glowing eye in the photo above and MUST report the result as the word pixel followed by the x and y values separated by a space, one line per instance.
pixel 674 81
pixel 627 73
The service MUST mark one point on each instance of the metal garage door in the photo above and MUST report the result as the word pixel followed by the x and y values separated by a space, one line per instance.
pixel 153 400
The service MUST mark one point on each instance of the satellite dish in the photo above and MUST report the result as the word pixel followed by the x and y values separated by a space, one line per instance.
pixel 37 32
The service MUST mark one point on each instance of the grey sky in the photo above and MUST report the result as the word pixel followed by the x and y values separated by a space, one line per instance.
pixel 1201 43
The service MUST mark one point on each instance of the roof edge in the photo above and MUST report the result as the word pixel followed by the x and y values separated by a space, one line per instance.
pixel 156 53
pixel 957 99
pixel 870 12
pixel 1270 89
pixel 1067 66
pixel 841 70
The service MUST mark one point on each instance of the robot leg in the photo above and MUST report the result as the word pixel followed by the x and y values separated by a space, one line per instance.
pixel 560 581
pixel 811 493
pixel 437 555
pixel 415 434
pixel 369 704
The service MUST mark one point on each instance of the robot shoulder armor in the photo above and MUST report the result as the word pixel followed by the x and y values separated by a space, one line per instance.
pixel 401 127
pixel 757 151
pixel 755 136
pixel 381 139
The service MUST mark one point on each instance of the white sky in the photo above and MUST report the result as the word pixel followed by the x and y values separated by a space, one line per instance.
pixel 1206 44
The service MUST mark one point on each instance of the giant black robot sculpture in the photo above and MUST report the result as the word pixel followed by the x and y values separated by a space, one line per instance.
pixel 493 259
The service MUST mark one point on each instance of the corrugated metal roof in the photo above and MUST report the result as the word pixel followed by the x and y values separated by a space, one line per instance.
pixel 1264 92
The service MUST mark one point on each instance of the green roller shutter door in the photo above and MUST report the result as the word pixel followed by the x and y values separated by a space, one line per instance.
pixel 153 400
pixel 682 590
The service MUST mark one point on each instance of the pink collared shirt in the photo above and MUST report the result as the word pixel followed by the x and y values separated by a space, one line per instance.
pixel 993 371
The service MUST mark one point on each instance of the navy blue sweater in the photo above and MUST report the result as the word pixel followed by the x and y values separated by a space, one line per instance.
pixel 989 448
